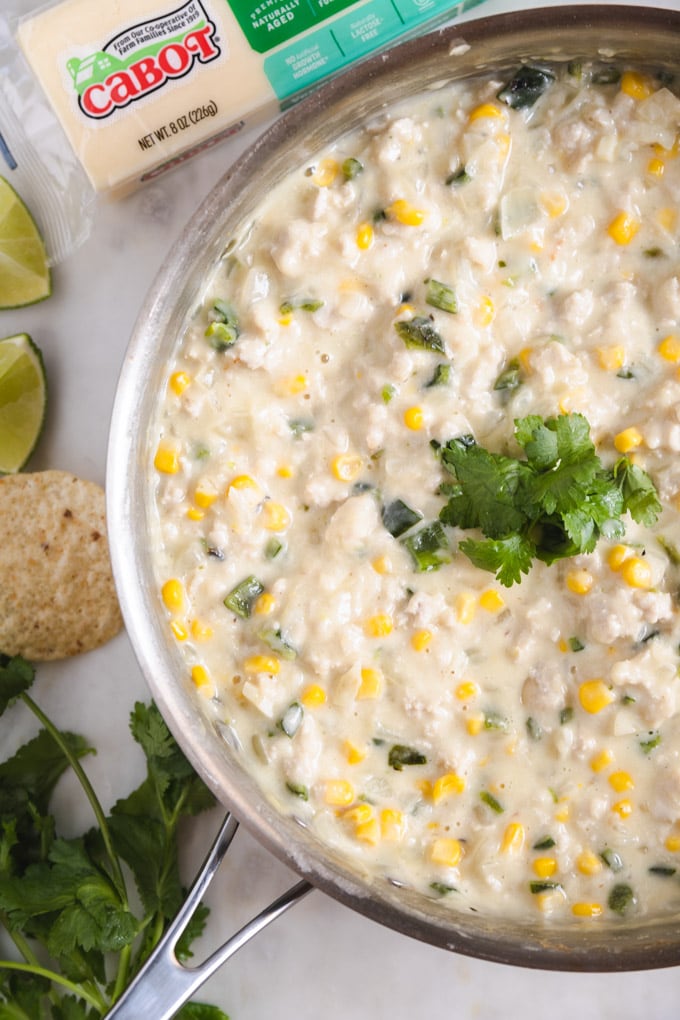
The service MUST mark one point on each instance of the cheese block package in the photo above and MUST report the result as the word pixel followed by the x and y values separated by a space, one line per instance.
pixel 139 86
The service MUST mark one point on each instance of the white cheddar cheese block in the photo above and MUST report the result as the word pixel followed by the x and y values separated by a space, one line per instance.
pixel 141 85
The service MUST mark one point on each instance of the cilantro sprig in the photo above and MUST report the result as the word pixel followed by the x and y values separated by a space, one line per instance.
pixel 65 902
pixel 555 503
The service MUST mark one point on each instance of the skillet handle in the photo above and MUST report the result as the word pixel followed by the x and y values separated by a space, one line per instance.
pixel 163 984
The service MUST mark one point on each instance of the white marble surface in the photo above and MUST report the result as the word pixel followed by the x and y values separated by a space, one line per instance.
pixel 321 959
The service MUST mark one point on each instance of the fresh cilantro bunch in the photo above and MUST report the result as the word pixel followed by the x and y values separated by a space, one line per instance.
pixel 555 503
pixel 65 902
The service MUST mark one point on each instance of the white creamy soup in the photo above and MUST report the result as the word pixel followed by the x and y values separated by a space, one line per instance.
pixel 417 487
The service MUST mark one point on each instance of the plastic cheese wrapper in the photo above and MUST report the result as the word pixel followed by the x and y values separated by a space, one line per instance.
pixel 139 86
pixel 37 159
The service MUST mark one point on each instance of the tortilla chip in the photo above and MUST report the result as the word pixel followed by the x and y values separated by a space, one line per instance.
pixel 57 596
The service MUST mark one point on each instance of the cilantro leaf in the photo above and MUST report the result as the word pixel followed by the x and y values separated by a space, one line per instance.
pixel 556 503
pixel 487 493
pixel 507 558
pixel 68 897
pixel 16 676
pixel 637 491
pixel 199 1011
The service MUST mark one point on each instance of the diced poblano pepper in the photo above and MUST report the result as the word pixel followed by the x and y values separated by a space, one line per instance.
pixel 401 755
pixel 242 598
pixel 398 517
pixel 419 332
pixel 525 87
pixel 224 329
pixel 441 295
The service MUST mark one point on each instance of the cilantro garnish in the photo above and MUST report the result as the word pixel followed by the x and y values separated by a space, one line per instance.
pixel 555 503
pixel 64 901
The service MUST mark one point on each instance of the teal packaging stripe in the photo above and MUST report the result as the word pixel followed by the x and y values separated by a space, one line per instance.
pixel 347 37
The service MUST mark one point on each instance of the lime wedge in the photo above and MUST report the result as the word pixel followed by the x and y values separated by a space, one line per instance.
pixel 23 399
pixel 24 273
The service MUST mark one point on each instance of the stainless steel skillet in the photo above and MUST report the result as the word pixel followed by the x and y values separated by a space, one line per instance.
pixel 617 34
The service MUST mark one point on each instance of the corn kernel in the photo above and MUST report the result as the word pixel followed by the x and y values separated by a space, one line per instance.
pixel 579 581
pixel 475 724
pixel 414 418
pixel 371 684
pixel 629 439
pixel 635 85
pixel 623 228
pixel 172 594
pixel 326 172
pixel 656 167
pixel 621 781
pixel 194 514
pixel 179 630
pixel 285 471
pixel 491 600
pixel 392 824
pixel 179 382
pixel 601 760
pixel 669 348
pixel 562 815
pixel 524 357
pixel 513 838
pixel 446 851
pixel 623 808
pixel 405 213
pixel 595 695
pixel 242 482
pixel 205 496
pixel 275 517
pixel 405 310
pixel 484 313
pixel 637 572
pixel 672 843
pixel 466 689
pixel 485 110
pixel 382 565
pixel 201 631
pixel 264 604
pixel 291 385
pixel 671 153
pixel 166 460
pixel 346 466
pixel 466 605
pixel 544 867
pixel 200 677
pixel 589 863
pixel 611 359
pixel 667 218
pixel 359 814
pixel 353 754
pixel 421 640
pixel 617 556
pixel 555 203
pixel 380 625
pixel 262 664
pixel 587 910
pixel 364 236
pixel 562 645
pixel 285 319
pixel 368 832
pixel 447 784
pixel 338 792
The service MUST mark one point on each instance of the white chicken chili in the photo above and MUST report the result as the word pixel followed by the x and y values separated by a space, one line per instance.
pixel 416 481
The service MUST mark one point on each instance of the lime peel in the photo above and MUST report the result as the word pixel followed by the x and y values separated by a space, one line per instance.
pixel 23 401
pixel 25 276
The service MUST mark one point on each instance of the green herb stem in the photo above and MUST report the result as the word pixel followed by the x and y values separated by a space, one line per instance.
pixel 81 991
pixel 87 789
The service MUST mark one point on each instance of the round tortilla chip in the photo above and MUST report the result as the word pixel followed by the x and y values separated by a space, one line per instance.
pixel 57 596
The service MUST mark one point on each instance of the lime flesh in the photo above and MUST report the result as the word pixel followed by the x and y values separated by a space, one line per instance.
pixel 24 272
pixel 23 400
